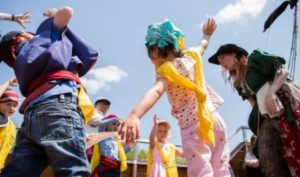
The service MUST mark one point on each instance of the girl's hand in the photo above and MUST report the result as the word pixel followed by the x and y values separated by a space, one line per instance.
pixel 209 27
pixel 13 82
pixel 130 129
pixel 89 136
pixel 155 120
pixel 22 18
pixel 50 12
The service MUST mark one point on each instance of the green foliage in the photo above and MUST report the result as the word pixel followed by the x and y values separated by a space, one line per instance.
pixel 130 154
pixel 142 155
pixel 180 160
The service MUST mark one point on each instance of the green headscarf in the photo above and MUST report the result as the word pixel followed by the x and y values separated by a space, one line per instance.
pixel 161 34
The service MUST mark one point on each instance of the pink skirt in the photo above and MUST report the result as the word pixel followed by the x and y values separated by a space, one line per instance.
pixel 157 169
pixel 202 159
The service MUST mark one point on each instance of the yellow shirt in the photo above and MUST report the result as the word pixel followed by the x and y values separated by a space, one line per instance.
pixel 7 140
pixel 169 160
pixel 97 154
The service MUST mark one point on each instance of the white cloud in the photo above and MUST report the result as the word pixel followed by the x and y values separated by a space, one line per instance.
pixel 101 78
pixel 239 10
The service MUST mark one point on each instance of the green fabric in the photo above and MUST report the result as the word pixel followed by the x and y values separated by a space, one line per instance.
pixel 264 61
pixel 255 148
pixel 253 119
pixel 161 34
pixel 262 67
pixel 244 93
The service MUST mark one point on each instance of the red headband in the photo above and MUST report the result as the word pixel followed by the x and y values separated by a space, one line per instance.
pixel 9 95
pixel 110 116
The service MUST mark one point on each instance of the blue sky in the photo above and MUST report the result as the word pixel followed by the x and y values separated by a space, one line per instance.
pixel 124 72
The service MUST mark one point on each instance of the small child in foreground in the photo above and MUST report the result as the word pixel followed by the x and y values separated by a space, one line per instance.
pixel 161 155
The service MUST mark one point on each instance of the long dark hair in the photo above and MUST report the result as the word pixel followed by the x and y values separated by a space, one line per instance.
pixel 237 77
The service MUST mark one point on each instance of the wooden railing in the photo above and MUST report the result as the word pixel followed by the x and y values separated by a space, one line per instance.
pixel 138 168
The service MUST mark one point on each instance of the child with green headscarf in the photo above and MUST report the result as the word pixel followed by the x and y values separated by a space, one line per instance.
pixel 180 74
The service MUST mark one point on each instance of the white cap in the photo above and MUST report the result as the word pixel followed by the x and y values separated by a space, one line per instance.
pixel 104 99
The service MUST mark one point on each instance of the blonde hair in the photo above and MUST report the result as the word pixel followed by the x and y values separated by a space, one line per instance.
pixel 237 77
pixel 165 125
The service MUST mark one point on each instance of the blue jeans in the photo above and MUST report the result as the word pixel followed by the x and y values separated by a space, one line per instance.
pixel 52 134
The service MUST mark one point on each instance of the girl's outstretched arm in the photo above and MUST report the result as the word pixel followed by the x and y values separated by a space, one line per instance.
pixel 21 19
pixel 130 129
pixel 208 29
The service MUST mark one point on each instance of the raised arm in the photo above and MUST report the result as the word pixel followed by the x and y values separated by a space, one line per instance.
pixel 61 16
pixel 12 82
pixel 153 131
pixel 131 126
pixel 208 29
pixel 5 16
pixel 21 19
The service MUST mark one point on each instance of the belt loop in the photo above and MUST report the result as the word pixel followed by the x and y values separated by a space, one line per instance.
pixel 61 98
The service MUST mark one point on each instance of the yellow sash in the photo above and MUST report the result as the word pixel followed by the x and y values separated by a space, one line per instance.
pixel 169 71
pixel 85 104
pixel 7 140
pixel 97 154
pixel 169 160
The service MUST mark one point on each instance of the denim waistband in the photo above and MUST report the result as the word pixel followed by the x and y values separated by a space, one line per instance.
pixel 60 98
